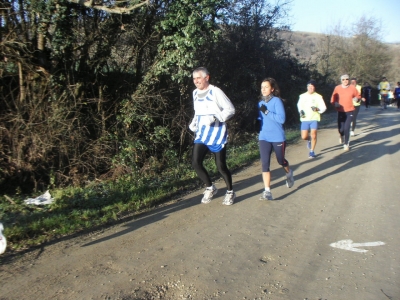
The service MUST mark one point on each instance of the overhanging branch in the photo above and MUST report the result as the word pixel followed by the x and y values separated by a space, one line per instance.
pixel 112 10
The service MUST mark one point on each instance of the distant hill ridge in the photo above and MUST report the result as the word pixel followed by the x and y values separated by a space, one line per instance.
pixel 304 46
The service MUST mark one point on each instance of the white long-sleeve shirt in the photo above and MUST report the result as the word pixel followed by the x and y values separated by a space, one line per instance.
pixel 306 101
pixel 207 105
pixel 214 103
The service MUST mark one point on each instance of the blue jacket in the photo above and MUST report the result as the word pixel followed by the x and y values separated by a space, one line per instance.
pixel 272 123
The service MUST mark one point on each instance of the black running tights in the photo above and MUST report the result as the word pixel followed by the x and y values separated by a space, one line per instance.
pixel 199 153
pixel 355 114
pixel 344 123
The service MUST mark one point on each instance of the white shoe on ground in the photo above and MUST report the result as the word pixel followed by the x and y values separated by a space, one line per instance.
pixel 208 194
pixel 229 198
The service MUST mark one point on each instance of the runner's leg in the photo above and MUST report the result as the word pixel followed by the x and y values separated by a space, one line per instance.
pixel 198 155
pixel 346 126
pixel 220 161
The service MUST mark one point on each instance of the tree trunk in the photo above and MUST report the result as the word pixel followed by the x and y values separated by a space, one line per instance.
pixel 22 91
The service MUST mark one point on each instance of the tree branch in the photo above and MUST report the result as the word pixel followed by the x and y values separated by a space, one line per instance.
pixel 112 10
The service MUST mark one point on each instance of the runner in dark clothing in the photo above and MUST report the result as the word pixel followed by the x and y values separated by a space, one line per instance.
pixel 366 94
pixel 397 95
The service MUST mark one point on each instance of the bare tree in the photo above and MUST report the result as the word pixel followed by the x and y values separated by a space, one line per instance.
pixel 394 73
pixel 358 51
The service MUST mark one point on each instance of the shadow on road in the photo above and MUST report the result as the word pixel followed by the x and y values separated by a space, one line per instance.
pixel 362 151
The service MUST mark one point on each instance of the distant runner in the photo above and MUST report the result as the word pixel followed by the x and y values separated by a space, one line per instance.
pixel 357 105
pixel 366 93
pixel 342 98
pixel 310 106
pixel 384 88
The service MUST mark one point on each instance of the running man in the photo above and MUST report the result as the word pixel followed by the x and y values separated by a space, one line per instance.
pixel 342 98
pixel 357 106
pixel 366 94
pixel 212 108
pixel 310 106
pixel 384 87
pixel 397 95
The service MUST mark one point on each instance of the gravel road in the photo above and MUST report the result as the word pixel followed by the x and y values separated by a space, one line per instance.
pixel 282 249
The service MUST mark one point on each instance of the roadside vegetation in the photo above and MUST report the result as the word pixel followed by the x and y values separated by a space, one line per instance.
pixel 76 209
pixel 95 99
pixel 80 209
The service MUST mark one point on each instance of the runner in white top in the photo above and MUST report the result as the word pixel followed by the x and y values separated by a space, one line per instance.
pixel 310 106
pixel 212 108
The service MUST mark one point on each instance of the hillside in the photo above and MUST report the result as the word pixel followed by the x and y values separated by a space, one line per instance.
pixel 304 46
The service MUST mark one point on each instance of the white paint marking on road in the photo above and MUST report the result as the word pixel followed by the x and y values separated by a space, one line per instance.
pixel 349 245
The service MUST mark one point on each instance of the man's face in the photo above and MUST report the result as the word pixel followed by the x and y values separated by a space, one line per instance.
pixel 310 88
pixel 200 81
pixel 353 82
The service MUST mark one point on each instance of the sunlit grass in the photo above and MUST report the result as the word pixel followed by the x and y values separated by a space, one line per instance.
pixel 77 209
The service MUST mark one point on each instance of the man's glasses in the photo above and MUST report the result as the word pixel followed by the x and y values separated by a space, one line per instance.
pixel 345 79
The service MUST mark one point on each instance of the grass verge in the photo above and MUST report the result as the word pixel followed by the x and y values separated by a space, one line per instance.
pixel 78 209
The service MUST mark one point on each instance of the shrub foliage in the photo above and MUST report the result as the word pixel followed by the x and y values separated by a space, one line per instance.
pixel 91 94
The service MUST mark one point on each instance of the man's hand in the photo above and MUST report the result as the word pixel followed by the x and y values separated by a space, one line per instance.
pixel 314 108
pixel 212 119
pixel 193 125
pixel 337 104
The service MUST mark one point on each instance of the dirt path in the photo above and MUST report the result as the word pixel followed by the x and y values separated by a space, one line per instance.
pixel 252 249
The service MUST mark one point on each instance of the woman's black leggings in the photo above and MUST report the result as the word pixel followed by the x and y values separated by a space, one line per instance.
pixel 266 151
pixel 199 153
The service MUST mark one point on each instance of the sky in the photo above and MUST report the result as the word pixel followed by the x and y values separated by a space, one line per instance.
pixel 321 16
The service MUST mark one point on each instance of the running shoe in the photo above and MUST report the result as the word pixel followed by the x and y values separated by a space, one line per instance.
pixel 208 194
pixel 346 147
pixel 351 133
pixel 289 179
pixel 341 140
pixel 312 155
pixel 309 144
pixel 229 198
pixel 266 195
